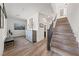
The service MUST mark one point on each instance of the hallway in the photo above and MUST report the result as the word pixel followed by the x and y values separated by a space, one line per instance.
pixel 63 41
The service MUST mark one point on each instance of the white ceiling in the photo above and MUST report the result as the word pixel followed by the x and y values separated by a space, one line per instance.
pixel 25 10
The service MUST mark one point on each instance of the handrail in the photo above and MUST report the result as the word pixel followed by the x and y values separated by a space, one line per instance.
pixel 55 17
pixel 50 33
pixel 54 20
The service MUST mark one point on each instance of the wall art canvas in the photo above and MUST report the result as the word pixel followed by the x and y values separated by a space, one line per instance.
pixel 19 26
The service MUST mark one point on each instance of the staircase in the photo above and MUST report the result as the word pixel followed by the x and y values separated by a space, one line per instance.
pixel 63 41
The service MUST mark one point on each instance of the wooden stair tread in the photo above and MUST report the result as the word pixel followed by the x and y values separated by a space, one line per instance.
pixel 65 42
pixel 61 52
pixel 71 49
pixel 63 39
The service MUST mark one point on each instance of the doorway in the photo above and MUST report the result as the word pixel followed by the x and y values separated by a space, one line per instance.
pixel 44 31
pixel 61 12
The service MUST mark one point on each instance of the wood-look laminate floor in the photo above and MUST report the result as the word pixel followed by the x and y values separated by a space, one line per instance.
pixel 63 43
pixel 25 48
pixel 63 40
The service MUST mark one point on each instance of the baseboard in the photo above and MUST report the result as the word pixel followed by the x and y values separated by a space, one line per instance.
pixel 19 36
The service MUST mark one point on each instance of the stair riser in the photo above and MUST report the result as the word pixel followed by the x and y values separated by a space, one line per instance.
pixel 66 35
pixel 62 31
pixel 63 38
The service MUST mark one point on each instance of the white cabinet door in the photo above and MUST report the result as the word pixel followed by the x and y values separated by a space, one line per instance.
pixel 29 35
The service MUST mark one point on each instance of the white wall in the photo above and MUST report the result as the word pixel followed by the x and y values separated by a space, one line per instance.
pixel 3 35
pixel 39 31
pixel 11 23
pixel 40 34
pixel 35 22
pixel 57 6
pixel 53 5
pixel 73 17
pixel 26 10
